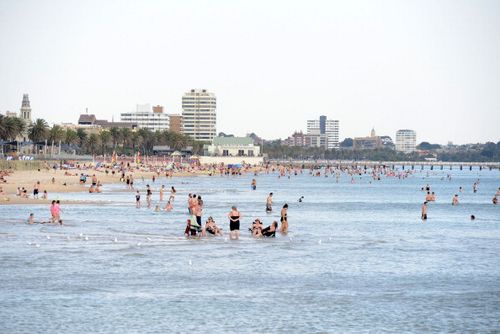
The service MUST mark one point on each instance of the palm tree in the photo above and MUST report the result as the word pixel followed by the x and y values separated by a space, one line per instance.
pixel 92 142
pixel 11 127
pixel 82 135
pixel 70 137
pixel 104 136
pixel 38 131
pixel 115 136
pixel 125 136
pixel 56 134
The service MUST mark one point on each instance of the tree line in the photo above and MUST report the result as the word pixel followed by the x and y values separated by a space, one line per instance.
pixel 488 152
pixel 96 141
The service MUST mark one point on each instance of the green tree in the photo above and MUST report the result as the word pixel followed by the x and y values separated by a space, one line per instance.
pixel 38 131
pixel 115 136
pixel 92 143
pixel 82 136
pixel 104 137
pixel 125 134
pixel 56 134
pixel 70 137
pixel 11 127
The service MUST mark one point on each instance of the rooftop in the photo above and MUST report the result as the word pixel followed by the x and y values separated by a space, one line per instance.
pixel 224 141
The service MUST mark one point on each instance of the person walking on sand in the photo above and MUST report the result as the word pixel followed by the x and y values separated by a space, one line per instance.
pixel 234 223
pixel 36 189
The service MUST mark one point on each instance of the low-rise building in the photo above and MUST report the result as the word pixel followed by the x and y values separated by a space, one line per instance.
pixel 147 118
pixel 232 146
pixel 367 143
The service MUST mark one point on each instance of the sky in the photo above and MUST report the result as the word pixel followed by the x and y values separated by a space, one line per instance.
pixel 428 65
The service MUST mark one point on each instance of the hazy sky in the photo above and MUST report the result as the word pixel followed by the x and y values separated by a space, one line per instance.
pixel 431 66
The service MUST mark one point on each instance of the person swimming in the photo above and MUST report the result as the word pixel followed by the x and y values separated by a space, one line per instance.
pixel 270 231
pixel 301 198
pixel 212 228
pixel 256 228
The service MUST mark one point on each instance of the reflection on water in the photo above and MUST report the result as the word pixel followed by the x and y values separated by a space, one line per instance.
pixel 357 258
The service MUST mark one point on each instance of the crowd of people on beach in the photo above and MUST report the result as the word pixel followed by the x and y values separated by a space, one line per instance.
pixel 127 173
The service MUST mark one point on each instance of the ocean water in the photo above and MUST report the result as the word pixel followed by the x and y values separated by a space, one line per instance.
pixel 357 259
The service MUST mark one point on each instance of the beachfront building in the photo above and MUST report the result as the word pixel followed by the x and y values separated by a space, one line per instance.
pixel 175 123
pixel 300 139
pixel 406 140
pixel 198 114
pixel 147 118
pixel 367 143
pixel 232 147
pixel 326 129
pixel 90 123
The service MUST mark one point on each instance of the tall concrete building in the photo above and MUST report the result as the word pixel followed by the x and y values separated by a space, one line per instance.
pixel 326 129
pixel 147 118
pixel 406 140
pixel 25 111
pixel 199 120
pixel 176 123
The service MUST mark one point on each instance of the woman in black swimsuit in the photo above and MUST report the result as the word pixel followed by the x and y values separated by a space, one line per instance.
pixel 234 222
pixel 284 219
pixel 270 231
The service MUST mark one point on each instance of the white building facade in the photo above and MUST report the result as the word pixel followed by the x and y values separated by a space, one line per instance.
pixel 232 147
pixel 406 140
pixel 199 119
pixel 146 118
pixel 327 130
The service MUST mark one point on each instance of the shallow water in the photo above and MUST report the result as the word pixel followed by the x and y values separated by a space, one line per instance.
pixel 357 259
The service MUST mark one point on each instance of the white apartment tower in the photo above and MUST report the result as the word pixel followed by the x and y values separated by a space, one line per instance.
pixel 198 115
pixel 406 140
pixel 327 129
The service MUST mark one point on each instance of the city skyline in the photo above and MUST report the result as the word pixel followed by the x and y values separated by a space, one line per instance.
pixel 389 65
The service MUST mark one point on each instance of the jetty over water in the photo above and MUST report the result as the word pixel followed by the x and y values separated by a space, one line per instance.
pixel 404 165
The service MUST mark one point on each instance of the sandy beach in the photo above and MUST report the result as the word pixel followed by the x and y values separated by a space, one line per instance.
pixel 65 181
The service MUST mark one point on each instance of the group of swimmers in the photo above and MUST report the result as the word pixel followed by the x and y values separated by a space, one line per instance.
pixel 195 228
pixel 431 197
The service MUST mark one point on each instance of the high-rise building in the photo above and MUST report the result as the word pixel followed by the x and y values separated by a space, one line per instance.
pixel 327 129
pixel 176 123
pixel 406 140
pixel 25 111
pixel 199 119
pixel 147 118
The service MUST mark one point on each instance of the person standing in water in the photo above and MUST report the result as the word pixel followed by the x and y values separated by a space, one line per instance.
pixel 137 199
pixel 253 185
pixel 284 219
pixel 454 200
pixel 162 191
pixel 269 203
pixel 424 211
pixel 234 223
